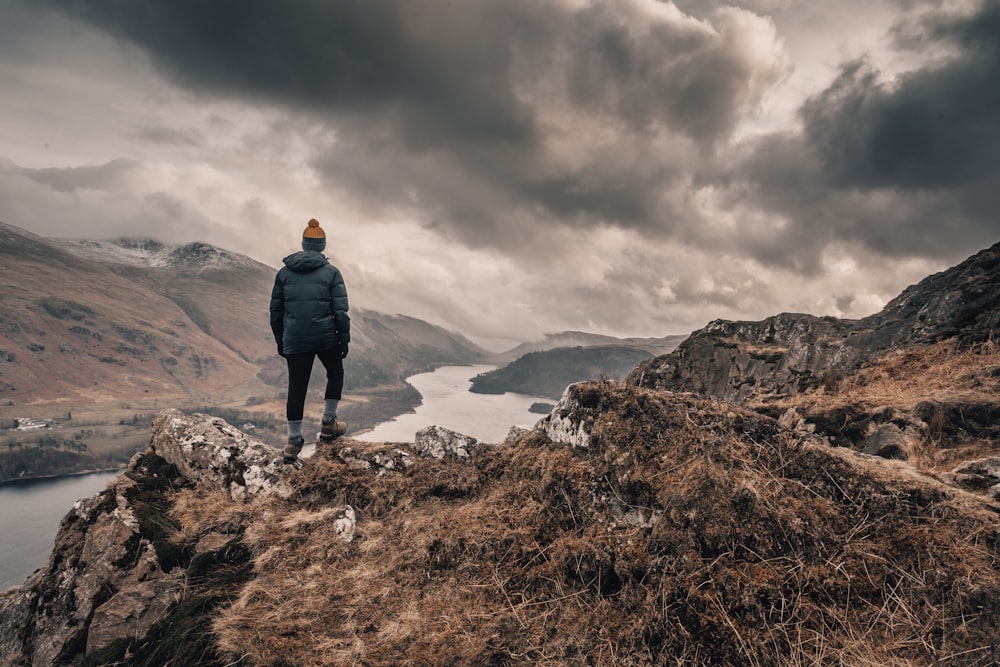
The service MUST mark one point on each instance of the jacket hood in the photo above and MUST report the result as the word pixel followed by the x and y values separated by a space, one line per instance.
pixel 305 261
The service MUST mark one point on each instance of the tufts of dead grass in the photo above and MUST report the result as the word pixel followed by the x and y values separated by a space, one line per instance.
pixel 951 392
pixel 944 371
pixel 201 510
pixel 690 532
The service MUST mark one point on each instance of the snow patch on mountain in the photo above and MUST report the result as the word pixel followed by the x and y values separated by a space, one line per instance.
pixel 149 252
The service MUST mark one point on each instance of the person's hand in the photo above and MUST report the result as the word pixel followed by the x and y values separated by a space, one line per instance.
pixel 343 350
pixel 281 350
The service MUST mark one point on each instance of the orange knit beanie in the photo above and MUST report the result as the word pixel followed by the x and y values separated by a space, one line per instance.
pixel 314 238
pixel 313 230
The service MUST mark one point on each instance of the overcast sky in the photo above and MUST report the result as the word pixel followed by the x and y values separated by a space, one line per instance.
pixel 508 168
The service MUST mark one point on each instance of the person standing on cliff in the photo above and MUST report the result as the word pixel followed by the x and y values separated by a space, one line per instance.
pixel 309 319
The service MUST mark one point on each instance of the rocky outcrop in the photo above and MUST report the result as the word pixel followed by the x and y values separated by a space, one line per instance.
pixel 110 574
pixel 119 566
pixel 208 450
pixel 962 302
pixel 790 353
pixel 638 523
pixel 438 442
pixel 784 354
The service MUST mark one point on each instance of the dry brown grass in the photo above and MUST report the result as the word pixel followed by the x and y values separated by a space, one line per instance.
pixel 951 392
pixel 752 548
pixel 201 510
pixel 940 372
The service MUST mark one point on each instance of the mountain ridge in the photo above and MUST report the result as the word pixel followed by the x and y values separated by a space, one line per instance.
pixel 655 346
pixel 151 253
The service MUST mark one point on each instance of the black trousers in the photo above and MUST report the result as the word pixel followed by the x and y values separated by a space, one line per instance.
pixel 300 368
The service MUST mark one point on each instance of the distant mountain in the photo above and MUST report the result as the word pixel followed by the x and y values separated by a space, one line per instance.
pixel 548 373
pixel 656 346
pixel 151 253
pixel 97 320
pixel 73 329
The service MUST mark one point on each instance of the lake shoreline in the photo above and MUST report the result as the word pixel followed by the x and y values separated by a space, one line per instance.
pixel 15 481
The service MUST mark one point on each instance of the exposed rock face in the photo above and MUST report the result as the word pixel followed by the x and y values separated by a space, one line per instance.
pixel 962 302
pixel 115 569
pixel 784 354
pixel 208 450
pixel 789 353
pixel 105 578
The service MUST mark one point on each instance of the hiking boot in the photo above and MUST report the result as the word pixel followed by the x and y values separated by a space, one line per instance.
pixel 292 449
pixel 331 430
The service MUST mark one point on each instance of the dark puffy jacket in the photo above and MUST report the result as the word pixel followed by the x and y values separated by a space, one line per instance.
pixel 309 305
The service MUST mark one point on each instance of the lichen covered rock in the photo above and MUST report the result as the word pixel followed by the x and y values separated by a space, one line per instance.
pixel 211 451
pixel 438 442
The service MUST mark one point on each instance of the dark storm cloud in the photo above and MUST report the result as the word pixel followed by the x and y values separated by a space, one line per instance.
pixel 463 111
pixel 937 127
pixel 439 66
pixel 901 168
pixel 672 73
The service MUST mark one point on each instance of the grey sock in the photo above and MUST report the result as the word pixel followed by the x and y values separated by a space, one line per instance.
pixel 295 429
pixel 330 406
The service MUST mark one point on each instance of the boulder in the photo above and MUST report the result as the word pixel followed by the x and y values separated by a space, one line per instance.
pixel 208 450
pixel 438 442
pixel 571 420
pixel 889 441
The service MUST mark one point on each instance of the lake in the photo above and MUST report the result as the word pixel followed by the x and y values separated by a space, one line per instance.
pixel 448 402
pixel 30 511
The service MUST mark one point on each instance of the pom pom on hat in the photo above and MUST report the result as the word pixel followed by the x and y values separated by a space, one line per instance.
pixel 314 238
pixel 313 230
